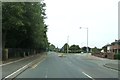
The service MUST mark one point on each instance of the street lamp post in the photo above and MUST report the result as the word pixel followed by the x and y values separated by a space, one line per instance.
pixel 87 37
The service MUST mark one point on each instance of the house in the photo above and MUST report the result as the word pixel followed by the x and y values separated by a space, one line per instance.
pixel 115 46
pixel 109 50
pixel 106 48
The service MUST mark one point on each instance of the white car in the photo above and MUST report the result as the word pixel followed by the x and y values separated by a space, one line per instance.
pixel 81 52
pixel 61 55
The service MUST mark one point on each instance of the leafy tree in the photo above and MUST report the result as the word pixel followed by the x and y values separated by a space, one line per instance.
pixel 84 49
pixel 74 49
pixel 23 25
pixel 57 49
pixel 64 48
pixel 95 50
pixel 11 13
pixel 52 47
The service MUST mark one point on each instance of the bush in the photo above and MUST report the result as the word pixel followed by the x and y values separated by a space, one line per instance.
pixel 117 56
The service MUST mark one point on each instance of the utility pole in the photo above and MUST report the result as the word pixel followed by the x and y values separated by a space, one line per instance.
pixel 87 40
pixel 67 44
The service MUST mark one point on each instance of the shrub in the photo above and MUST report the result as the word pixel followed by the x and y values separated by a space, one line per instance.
pixel 117 56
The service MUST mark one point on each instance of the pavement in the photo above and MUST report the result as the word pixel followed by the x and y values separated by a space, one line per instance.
pixel 109 63
pixel 112 66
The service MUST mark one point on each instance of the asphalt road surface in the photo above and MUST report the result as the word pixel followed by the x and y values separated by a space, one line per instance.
pixel 71 66
pixel 14 66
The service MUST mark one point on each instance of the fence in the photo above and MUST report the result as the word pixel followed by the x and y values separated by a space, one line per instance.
pixel 17 52
pixel 105 55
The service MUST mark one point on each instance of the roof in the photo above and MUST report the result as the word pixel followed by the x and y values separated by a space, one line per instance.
pixel 116 42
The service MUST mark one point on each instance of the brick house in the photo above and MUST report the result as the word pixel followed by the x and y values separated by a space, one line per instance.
pixel 110 50
pixel 115 47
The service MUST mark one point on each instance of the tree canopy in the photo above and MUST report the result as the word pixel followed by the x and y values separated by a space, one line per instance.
pixel 52 47
pixel 84 49
pixel 64 48
pixel 96 50
pixel 23 25
pixel 74 49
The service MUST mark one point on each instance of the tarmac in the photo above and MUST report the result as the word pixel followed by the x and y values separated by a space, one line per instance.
pixel 108 63
pixel 113 64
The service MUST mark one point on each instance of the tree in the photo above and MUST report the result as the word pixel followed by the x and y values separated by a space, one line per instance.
pixel 74 49
pixel 52 47
pixel 64 48
pixel 11 13
pixel 96 50
pixel 57 49
pixel 11 22
pixel 84 49
pixel 23 25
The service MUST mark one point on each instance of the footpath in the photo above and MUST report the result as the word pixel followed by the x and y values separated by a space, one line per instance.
pixel 112 66
pixel 109 63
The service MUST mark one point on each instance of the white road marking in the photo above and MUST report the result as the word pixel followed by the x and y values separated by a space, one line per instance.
pixel 46 73
pixel 38 63
pixel 46 76
pixel 88 75
pixel 17 70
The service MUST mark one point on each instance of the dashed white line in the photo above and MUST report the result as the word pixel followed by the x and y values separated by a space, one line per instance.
pixel 88 75
pixel 46 73
pixel 38 63
pixel 46 76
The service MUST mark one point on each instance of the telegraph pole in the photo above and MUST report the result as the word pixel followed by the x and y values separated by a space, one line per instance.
pixel 67 43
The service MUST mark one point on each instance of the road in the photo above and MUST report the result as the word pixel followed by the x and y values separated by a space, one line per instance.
pixel 71 66
pixel 13 66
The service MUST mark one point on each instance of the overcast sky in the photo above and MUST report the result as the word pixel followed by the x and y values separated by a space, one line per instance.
pixel 65 17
